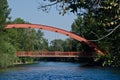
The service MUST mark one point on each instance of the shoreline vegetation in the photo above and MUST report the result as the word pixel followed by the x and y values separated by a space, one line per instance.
pixel 84 63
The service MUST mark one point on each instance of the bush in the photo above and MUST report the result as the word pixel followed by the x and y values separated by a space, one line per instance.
pixel 7 54
pixel 112 61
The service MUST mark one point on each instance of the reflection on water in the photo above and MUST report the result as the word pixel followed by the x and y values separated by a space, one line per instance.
pixel 59 71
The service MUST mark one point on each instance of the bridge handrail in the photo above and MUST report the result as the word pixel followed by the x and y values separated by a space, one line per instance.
pixel 31 53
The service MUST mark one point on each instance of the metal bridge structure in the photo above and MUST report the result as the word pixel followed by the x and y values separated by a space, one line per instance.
pixel 57 30
pixel 37 54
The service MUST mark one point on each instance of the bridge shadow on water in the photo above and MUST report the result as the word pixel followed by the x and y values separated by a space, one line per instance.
pixel 85 61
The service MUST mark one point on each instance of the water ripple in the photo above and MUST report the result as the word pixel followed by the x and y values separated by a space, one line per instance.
pixel 59 71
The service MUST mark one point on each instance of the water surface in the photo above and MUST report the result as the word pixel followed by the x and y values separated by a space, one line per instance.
pixel 59 71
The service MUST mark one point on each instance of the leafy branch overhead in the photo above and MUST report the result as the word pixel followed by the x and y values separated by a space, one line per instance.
pixel 105 12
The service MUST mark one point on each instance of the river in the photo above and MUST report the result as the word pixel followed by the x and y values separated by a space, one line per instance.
pixel 59 71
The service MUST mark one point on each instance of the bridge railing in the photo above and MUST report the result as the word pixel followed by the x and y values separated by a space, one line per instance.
pixel 56 53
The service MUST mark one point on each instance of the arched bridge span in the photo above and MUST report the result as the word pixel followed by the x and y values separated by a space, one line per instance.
pixel 61 31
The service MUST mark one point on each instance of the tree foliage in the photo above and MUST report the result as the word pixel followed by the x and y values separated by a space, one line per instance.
pixel 7 50
pixel 106 12
pixel 61 45
pixel 26 39
pixel 7 54
pixel 4 14
pixel 89 28
pixel 57 45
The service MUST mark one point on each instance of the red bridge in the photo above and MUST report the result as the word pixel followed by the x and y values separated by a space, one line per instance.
pixel 61 31
pixel 50 54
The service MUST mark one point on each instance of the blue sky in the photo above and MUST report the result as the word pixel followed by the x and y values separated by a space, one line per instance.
pixel 27 10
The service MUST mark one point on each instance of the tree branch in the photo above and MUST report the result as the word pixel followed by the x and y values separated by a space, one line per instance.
pixel 107 34
pixel 44 6
pixel 95 34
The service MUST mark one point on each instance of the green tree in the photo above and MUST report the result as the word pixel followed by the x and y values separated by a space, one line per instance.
pixel 18 37
pixel 27 39
pixel 4 14
pixel 7 55
pixel 40 42
pixel 44 45
pixel 67 45
pixel 57 45
pixel 7 51
pixel 20 21
pixel 89 28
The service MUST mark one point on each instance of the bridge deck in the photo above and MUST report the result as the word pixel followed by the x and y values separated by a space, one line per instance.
pixel 50 54
pixel 38 56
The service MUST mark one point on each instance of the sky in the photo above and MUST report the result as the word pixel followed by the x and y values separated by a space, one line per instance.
pixel 27 10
